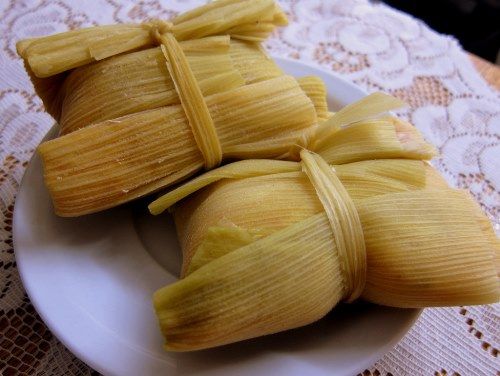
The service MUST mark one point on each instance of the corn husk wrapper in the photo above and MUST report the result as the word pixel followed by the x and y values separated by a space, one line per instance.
pixel 265 258
pixel 121 86
pixel 51 55
pixel 316 91
pixel 140 81
pixel 253 62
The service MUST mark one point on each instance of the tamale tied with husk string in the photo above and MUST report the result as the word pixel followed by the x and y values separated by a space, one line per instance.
pixel 136 118
pixel 273 245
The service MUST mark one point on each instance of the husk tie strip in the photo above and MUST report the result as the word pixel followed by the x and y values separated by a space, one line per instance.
pixel 344 221
pixel 190 95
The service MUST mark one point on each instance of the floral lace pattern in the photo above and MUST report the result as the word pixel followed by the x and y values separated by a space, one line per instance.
pixel 367 43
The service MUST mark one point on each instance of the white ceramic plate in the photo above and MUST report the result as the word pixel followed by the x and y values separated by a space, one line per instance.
pixel 91 280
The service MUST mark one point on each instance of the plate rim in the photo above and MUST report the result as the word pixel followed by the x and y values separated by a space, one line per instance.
pixel 72 345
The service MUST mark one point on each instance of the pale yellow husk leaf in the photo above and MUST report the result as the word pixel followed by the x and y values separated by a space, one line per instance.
pixel 383 137
pixel 139 81
pixel 218 241
pixel 252 62
pixel 315 89
pixel 366 108
pixel 48 56
pixel 204 211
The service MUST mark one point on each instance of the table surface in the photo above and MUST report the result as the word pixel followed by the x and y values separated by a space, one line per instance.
pixel 369 44
pixel 489 71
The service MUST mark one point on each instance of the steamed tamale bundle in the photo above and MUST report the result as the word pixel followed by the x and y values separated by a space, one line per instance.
pixel 274 245
pixel 136 118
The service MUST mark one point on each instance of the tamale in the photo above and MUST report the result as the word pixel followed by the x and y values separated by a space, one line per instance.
pixel 112 80
pixel 426 245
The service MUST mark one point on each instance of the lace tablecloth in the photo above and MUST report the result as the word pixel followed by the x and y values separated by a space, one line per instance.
pixel 369 44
